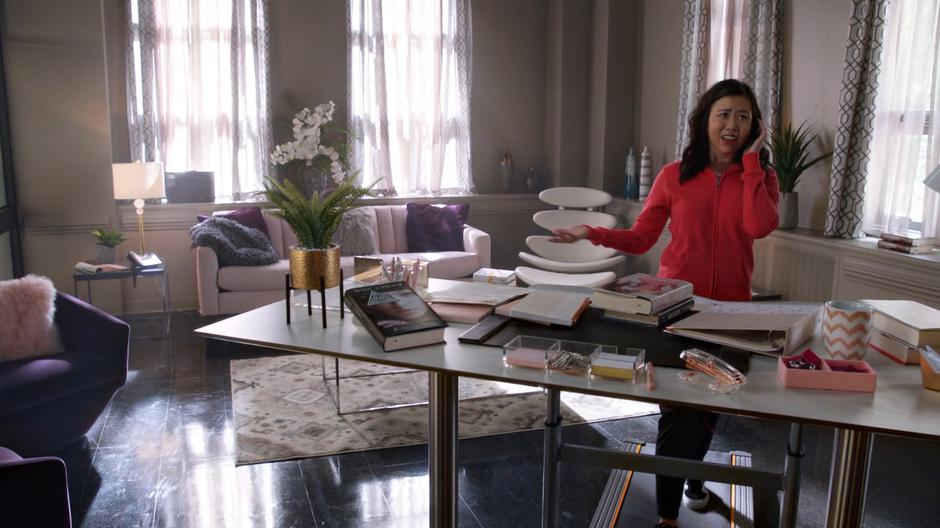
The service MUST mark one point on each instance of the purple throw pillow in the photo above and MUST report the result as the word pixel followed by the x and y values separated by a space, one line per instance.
pixel 246 216
pixel 432 228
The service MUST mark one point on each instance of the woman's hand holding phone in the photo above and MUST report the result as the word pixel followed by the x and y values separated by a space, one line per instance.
pixel 759 140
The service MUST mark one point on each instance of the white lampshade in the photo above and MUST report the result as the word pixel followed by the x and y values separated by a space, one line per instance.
pixel 138 180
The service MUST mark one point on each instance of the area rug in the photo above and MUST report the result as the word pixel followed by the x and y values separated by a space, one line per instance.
pixel 283 411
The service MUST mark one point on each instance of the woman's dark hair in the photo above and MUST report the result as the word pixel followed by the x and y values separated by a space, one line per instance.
pixel 697 155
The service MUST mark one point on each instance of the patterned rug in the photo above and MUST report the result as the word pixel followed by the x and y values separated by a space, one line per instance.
pixel 283 409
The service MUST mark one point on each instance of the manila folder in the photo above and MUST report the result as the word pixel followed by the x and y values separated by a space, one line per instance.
pixel 758 327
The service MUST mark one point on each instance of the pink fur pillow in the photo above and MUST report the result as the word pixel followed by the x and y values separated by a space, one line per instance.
pixel 26 328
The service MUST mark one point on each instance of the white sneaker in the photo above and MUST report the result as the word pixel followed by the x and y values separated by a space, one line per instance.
pixel 697 501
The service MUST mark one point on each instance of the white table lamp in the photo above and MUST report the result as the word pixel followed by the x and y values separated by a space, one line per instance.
pixel 138 181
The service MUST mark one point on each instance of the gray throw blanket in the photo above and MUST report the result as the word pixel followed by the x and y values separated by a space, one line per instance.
pixel 234 243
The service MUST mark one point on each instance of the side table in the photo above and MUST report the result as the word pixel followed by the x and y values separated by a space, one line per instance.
pixel 159 273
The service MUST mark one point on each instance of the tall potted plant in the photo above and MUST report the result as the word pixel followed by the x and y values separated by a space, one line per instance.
pixel 789 150
pixel 314 219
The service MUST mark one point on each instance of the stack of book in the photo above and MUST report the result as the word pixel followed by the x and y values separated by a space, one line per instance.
pixel 900 328
pixel 908 242
pixel 644 299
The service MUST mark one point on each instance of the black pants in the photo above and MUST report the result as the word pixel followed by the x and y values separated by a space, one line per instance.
pixel 683 433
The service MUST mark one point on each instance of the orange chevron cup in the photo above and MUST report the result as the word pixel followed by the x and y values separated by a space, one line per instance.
pixel 846 325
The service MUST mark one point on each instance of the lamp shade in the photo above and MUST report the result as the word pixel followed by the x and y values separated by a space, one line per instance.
pixel 138 180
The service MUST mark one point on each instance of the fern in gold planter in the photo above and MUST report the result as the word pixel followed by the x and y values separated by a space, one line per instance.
pixel 314 221
pixel 789 150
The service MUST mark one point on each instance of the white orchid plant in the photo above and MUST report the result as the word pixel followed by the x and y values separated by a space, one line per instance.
pixel 309 131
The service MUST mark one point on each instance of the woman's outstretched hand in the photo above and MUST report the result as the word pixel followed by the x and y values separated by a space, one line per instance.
pixel 572 234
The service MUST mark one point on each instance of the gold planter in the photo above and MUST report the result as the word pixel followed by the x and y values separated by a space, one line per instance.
pixel 308 265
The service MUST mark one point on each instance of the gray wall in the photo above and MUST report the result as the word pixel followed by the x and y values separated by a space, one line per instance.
pixel 567 85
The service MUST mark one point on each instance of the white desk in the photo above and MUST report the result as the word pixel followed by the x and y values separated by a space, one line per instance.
pixel 900 405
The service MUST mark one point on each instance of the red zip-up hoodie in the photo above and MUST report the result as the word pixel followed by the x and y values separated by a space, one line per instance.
pixel 714 222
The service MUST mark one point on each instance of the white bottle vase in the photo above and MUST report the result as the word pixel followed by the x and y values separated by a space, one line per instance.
pixel 646 173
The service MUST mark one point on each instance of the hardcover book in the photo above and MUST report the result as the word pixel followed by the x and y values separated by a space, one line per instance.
pixel 547 307
pixel 657 319
pixel 395 315
pixel 641 294
pixel 909 321
pixel 896 349
pixel 905 248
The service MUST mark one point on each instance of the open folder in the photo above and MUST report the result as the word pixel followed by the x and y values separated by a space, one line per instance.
pixel 764 328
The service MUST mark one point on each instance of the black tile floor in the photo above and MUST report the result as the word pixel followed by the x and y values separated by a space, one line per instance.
pixel 163 455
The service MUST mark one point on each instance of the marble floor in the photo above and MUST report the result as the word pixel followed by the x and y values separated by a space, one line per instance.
pixel 163 455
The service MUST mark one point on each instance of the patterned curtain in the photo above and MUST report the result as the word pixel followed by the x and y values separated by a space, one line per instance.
pixel 198 89
pixel 856 115
pixel 409 93
pixel 763 57
pixel 741 39
pixel 694 67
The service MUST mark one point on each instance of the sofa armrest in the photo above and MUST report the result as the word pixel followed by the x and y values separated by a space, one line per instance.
pixel 207 280
pixel 34 492
pixel 478 242
pixel 84 328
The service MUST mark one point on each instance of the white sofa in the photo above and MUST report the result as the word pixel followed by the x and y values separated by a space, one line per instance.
pixel 236 289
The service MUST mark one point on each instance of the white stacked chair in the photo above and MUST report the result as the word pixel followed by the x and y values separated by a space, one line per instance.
pixel 580 263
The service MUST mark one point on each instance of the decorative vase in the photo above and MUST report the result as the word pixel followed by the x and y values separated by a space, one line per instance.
pixel 505 171
pixel 308 265
pixel 106 254
pixel 788 210
pixel 532 181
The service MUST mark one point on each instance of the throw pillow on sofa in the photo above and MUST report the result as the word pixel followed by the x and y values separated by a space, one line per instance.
pixel 435 228
pixel 356 233
pixel 234 243
pixel 246 216
pixel 26 327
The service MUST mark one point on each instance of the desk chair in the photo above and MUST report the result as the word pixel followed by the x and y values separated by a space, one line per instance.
pixel 578 264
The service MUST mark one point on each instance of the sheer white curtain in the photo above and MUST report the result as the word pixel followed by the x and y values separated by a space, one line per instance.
pixel 409 93
pixel 905 145
pixel 728 21
pixel 198 94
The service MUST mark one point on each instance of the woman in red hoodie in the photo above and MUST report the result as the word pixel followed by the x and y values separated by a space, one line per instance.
pixel 718 198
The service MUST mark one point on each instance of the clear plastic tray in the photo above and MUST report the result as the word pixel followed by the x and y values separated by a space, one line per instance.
pixel 530 351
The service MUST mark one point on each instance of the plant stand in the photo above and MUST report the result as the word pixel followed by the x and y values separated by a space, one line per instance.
pixel 288 288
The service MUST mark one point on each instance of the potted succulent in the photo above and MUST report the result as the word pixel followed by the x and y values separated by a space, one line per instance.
pixel 108 241
pixel 789 150
pixel 314 219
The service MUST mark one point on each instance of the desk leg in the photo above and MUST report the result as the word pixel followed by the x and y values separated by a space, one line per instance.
pixel 848 478
pixel 791 477
pixel 551 466
pixel 442 449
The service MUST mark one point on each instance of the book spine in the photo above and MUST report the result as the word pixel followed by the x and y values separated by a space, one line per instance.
pixel 369 325
pixel 677 310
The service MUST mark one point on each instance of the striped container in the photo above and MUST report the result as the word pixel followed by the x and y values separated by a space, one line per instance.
pixel 846 325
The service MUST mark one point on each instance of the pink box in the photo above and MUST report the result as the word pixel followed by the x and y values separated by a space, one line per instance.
pixel 826 378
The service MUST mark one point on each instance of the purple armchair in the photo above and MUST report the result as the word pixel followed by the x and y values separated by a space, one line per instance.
pixel 48 402
pixel 33 491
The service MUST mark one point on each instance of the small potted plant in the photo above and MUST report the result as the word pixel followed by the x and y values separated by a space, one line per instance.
pixel 789 150
pixel 108 241
pixel 314 219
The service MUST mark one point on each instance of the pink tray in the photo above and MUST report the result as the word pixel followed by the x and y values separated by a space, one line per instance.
pixel 828 379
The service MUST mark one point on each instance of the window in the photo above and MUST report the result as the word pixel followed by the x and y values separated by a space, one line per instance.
pixel 409 84
pixel 197 89
pixel 905 144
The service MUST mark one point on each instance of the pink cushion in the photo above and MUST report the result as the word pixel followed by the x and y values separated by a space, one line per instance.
pixel 436 228
pixel 26 327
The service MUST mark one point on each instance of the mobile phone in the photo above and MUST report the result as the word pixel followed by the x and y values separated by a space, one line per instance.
pixel 483 330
